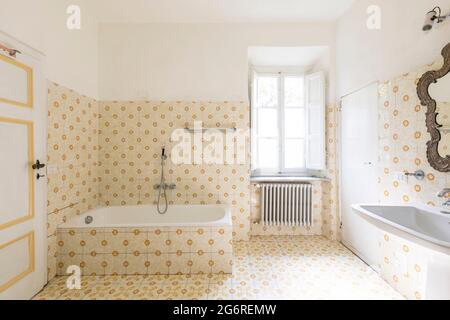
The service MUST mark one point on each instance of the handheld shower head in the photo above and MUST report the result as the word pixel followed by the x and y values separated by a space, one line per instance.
pixel 163 153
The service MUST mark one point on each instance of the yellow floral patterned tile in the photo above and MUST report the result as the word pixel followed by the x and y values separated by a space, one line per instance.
pixel 312 268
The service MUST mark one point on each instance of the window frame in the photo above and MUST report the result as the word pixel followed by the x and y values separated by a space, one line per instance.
pixel 255 124
pixel 281 170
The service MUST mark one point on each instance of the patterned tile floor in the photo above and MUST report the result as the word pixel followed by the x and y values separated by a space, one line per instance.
pixel 273 268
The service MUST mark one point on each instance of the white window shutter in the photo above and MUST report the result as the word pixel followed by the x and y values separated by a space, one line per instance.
pixel 315 106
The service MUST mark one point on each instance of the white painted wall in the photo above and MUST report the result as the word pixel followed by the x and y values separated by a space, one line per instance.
pixel 71 56
pixel 205 61
pixel 400 46
pixel 220 11
pixel 191 61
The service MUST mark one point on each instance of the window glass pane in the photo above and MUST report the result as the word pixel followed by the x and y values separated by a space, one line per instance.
pixel 294 153
pixel 267 91
pixel 267 153
pixel 267 123
pixel 294 123
pixel 293 91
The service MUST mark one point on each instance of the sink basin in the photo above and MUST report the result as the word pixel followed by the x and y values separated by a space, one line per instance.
pixel 424 222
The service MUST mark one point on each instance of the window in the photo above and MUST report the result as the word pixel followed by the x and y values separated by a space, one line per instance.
pixel 288 123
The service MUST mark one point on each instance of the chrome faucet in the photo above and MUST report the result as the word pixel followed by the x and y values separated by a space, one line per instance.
pixel 166 186
pixel 419 174
pixel 442 194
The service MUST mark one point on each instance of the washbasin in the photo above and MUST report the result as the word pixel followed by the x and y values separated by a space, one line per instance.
pixel 424 222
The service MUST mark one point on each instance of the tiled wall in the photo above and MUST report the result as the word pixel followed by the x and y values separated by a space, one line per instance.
pixel 72 158
pixel 402 142
pixel 131 137
pixel 325 195
pixel 141 251
pixel 330 191
pixel 403 265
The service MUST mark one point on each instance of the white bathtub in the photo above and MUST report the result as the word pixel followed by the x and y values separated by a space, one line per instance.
pixel 148 216
pixel 134 240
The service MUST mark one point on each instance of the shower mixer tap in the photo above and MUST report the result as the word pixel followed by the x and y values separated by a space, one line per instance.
pixel 165 186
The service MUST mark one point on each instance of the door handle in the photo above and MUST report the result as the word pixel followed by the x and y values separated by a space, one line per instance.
pixel 38 176
pixel 38 165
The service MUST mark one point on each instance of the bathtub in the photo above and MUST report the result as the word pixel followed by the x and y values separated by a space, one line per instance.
pixel 137 240
pixel 148 216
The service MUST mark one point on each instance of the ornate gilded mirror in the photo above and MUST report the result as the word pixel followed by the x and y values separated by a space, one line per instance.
pixel 434 93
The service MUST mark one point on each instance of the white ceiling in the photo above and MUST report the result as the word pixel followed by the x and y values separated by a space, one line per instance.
pixel 286 56
pixel 211 11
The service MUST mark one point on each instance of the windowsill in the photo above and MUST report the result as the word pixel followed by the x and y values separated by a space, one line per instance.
pixel 287 178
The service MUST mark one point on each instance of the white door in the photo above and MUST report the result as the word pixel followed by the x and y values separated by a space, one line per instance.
pixel 23 114
pixel 359 158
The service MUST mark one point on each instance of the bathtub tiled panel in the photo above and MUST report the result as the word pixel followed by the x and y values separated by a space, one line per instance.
pixel 72 156
pixel 402 142
pixel 131 251
pixel 131 137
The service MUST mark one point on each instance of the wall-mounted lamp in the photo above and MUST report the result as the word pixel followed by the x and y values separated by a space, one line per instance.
pixel 432 17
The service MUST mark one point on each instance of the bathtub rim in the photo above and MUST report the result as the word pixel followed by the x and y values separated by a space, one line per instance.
pixel 225 221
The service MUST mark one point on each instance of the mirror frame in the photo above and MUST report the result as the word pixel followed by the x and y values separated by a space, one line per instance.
pixel 438 162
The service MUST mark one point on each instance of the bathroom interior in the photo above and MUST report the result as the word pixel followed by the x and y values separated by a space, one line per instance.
pixel 225 150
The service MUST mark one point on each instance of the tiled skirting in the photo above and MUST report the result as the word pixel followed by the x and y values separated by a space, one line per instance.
pixel 145 251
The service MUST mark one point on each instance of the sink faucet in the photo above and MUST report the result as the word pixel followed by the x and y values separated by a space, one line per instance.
pixel 442 194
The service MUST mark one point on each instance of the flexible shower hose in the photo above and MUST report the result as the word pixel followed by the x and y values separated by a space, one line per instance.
pixel 162 191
